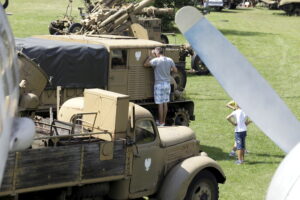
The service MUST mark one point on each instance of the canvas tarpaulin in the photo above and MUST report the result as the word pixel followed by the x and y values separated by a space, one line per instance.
pixel 68 64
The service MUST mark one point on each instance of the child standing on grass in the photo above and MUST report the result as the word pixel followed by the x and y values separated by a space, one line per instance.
pixel 240 120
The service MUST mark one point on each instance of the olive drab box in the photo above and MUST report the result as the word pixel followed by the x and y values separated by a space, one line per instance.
pixel 106 111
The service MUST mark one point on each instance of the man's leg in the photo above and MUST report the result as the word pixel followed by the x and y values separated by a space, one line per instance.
pixel 161 113
pixel 165 112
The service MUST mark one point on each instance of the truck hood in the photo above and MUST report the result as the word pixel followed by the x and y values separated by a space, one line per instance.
pixel 170 136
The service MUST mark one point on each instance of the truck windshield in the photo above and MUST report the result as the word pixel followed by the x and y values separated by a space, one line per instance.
pixel 144 132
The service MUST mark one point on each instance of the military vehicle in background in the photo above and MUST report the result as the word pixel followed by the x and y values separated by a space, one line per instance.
pixel 115 152
pixel 271 4
pixel 114 63
pixel 232 4
pixel 115 18
pixel 291 7
pixel 119 18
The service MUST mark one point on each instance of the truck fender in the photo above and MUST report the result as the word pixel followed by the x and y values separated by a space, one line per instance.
pixel 180 176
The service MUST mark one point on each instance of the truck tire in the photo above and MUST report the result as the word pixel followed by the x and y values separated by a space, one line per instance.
pixel 164 39
pixel 181 117
pixel 180 78
pixel 198 65
pixel 203 186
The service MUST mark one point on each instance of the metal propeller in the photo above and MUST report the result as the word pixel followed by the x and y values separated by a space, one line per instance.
pixel 252 92
pixel 239 79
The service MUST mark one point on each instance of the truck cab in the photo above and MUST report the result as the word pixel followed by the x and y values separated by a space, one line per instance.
pixel 162 158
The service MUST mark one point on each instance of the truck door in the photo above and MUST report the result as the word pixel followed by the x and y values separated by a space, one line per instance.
pixel 118 71
pixel 148 158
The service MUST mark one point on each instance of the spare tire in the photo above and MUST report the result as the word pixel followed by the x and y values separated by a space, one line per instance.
pixel 180 77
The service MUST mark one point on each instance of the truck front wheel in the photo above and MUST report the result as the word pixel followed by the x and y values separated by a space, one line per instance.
pixel 204 187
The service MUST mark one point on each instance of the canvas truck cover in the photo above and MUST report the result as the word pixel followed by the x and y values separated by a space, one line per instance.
pixel 68 64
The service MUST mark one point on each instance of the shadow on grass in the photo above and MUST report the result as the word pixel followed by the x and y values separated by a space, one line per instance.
pixel 229 11
pixel 215 152
pixel 268 155
pixel 281 14
pixel 190 73
pixel 261 162
pixel 237 10
pixel 242 33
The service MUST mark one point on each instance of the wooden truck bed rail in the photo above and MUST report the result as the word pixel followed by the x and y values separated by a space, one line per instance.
pixel 62 166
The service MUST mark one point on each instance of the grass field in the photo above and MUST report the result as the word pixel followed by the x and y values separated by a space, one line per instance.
pixel 267 38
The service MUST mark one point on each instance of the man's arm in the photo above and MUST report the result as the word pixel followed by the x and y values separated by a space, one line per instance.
pixel 149 58
pixel 230 119
pixel 174 69
pixel 231 105
pixel 248 121
pixel 147 61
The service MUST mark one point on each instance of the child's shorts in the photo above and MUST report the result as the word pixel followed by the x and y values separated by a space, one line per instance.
pixel 240 140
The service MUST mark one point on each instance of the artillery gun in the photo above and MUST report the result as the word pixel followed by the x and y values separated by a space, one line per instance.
pixel 116 18
pixel 291 7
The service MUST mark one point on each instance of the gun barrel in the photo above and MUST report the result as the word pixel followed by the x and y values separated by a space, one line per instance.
pixel 138 7
pixel 150 11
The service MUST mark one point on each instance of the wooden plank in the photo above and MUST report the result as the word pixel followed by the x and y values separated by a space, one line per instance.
pixel 7 183
pixel 46 166
pixel 58 165
pixel 96 168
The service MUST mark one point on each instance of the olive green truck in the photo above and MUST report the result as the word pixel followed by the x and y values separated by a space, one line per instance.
pixel 114 63
pixel 113 151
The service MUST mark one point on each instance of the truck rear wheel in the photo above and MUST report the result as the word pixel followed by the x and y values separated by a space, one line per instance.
pixel 180 78
pixel 204 187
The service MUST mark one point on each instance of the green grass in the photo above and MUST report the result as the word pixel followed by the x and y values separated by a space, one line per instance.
pixel 267 38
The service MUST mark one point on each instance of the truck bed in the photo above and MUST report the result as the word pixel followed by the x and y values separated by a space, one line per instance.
pixel 63 165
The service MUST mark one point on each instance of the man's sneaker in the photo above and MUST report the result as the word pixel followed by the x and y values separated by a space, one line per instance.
pixel 157 123
pixel 232 154
pixel 239 162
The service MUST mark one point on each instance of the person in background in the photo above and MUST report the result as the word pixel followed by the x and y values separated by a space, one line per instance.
pixel 232 105
pixel 240 120
pixel 163 66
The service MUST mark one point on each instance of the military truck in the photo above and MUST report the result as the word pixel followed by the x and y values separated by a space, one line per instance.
pixel 114 63
pixel 115 151
pixel 291 7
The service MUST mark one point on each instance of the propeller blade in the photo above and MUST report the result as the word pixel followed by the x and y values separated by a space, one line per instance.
pixel 240 79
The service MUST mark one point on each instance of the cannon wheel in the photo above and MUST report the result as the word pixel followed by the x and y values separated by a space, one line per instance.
pixel 52 31
pixel 198 65
pixel 74 28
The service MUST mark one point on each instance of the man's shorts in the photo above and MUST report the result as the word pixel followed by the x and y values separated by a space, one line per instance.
pixel 162 92
pixel 240 140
